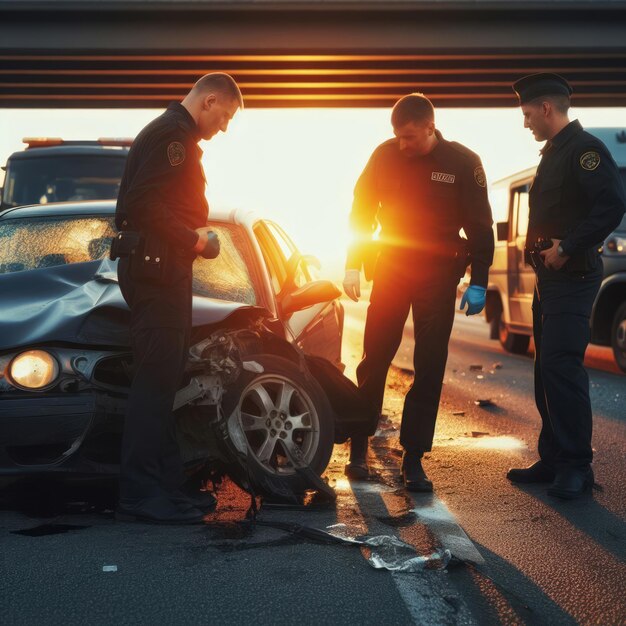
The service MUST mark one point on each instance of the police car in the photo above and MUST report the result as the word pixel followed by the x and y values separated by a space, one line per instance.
pixel 511 281
pixel 56 170
pixel 264 394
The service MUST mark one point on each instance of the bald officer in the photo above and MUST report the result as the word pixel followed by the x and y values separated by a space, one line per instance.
pixel 576 201
pixel 162 203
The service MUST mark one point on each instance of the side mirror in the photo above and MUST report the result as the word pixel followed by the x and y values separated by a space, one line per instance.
pixel 308 295
pixel 309 259
pixel 502 230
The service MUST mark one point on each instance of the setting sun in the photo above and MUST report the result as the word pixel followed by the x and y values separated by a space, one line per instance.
pixel 299 166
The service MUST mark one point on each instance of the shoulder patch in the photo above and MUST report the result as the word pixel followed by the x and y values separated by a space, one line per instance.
pixel 176 153
pixel 479 176
pixel 590 160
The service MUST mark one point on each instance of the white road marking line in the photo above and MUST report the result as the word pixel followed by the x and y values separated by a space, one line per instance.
pixel 417 591
pixel 445 527
pixel 433 513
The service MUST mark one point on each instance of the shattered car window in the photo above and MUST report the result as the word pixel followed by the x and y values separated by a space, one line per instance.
pixel 28 244
pixel 228 277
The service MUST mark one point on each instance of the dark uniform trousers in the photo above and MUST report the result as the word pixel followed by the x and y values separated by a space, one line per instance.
pixel 160 327
pixel 562 307
pixel 403 283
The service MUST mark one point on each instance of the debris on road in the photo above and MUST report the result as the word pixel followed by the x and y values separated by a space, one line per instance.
pixel 477 433
pixel 458 413
pixel 497 366
pixel 484 402
pixel 396 556
pixel 109 568
pixel 476 368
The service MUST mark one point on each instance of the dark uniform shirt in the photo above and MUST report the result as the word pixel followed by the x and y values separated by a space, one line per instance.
pixel 422 202
pixel 162 197
pixel 577 196
pixel 163 186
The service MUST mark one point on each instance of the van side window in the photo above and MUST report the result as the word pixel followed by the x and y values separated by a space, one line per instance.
pixel 522 210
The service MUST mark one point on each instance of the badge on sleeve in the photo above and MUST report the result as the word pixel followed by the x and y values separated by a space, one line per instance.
pixel 590 160
pixel 479 176
pixel 176 153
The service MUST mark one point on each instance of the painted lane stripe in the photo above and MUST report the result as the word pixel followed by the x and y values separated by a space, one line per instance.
pixel 436 515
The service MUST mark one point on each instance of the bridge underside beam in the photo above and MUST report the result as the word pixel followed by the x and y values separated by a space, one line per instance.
pixel 299 59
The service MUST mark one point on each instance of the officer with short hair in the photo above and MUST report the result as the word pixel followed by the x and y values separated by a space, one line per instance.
pixel 576 201
pixel 162 214
pixel 421 190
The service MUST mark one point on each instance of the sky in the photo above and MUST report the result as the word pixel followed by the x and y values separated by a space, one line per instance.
pixel 299 166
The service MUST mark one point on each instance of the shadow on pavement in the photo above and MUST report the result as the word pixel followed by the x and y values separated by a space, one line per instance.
pixel 499 593
pixel 46 498
pixel 588 515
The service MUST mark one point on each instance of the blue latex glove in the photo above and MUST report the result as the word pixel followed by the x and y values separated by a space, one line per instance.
pixel 474 297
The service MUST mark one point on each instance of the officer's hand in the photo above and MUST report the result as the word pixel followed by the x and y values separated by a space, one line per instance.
pixel 352 284
pixel 551 258
pixel 474 297
pixel 208 244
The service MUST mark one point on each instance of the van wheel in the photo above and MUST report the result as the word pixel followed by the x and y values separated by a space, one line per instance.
pixel 511 342
pixel 618 336
pixel 494 324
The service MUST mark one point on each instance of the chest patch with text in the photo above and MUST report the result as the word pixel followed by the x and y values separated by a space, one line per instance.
pixel 440 177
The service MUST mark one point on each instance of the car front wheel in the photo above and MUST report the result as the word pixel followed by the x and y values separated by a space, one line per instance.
pixel 279 417
pixel 618 336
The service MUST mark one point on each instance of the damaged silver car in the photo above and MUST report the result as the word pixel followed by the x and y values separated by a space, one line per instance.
pixel 264 398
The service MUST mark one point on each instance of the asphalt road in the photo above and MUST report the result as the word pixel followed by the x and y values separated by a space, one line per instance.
pixel 527 558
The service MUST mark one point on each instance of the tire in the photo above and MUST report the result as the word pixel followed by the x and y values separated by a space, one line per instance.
pixel 258 425
pixel 618 336
pixel 494 324
pixel 511 342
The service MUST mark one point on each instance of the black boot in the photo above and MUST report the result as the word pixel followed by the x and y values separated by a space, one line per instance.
pixel 413 474
pixel 204 501
pixel 157 510
pixel 357 467
pixel 538 472
pixel 571 483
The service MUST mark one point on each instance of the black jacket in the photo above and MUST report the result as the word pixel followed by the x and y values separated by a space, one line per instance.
pixel 577 196
pixel 162 189
pixel 421 204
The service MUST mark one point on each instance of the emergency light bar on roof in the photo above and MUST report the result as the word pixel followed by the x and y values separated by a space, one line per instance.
pixel 42 142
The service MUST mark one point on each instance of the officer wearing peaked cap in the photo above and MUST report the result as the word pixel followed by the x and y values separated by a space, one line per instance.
pixel 576 201
pixel 162 214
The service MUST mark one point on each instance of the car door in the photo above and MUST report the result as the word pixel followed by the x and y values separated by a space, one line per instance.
pixel 318 328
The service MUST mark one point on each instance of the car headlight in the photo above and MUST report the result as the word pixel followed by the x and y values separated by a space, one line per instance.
pixel 34 369
pixel 615 245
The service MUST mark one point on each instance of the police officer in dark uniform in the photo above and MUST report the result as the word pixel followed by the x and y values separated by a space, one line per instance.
pixel 421 190
pixel 161 214
pixel 576 201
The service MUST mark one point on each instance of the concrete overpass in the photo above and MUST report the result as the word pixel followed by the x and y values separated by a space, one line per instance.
pixel 288 53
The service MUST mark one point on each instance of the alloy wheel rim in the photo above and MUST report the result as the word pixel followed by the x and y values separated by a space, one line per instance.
pixel 279 422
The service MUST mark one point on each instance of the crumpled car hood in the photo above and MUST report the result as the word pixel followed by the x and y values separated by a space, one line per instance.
pixel 78 303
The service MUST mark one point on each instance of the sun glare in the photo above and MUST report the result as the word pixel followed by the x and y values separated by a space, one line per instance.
pixel 299 166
